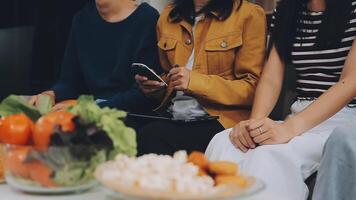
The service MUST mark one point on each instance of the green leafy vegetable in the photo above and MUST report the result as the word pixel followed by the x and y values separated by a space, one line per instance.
pixel 110 120
pixel 14 104
pixel 44 104
pixel 79 172
pixel 17 104
pixel 69 171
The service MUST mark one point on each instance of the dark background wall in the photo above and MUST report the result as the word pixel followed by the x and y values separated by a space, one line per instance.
pixel 33 36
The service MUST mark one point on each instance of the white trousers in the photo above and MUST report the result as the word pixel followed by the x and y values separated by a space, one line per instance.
pixel 283 167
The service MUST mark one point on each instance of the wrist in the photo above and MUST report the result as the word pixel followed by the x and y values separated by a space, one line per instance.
pixel 257 116
pixel 295 125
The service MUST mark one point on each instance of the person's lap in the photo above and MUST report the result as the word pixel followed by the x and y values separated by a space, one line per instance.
pixel 336 176
pixel 274 164
pixel 166 137
pixel 283 167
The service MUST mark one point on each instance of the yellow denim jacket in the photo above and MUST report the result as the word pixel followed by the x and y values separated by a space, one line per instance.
pixel 229 56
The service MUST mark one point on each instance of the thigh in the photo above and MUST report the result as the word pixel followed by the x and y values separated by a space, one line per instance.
pixel 301 155
pixel 221 148
pixel 178 136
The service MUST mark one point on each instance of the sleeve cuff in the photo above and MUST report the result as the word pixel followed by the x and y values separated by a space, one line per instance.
pixel 197 84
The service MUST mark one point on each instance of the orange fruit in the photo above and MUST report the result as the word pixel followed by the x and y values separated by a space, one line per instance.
pixel 16 129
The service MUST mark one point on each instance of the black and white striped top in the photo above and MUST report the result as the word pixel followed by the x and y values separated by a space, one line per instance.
pixel 318 70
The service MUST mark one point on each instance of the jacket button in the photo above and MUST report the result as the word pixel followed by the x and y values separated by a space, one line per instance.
pixel 188 42
pixel 223 44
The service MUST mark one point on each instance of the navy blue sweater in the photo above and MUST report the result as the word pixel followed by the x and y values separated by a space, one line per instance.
pixel 99 55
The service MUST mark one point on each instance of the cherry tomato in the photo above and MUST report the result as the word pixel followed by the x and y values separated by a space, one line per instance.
pixel 16 129
pixel 41 173
pixel 15 161
pixel 44 127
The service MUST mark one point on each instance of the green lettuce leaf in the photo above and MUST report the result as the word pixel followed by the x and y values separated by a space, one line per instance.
pixel 44 104
pixel 111 121
pixel 17 104
pixel 76 173
pixel 14 104
pixel 69 171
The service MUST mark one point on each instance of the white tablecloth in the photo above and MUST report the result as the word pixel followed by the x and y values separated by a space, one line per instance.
pixel 6 193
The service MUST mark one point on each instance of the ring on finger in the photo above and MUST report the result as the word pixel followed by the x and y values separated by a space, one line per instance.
pixel 260 129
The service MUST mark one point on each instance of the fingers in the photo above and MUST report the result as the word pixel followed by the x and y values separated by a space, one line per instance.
pixel 242 140
pixel 244 132
pixel 153 84
pixel 139 78
pixel 177 76
pixel 258 131
pixel 248 139
pixel 236 142
pixel 267 142
pixel 178 84
pixel 175 70
pixel 58 108
pixel 148 86
pixel 254 124
pixel 262 138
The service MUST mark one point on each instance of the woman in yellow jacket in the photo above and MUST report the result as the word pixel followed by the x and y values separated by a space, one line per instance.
pixel 212 52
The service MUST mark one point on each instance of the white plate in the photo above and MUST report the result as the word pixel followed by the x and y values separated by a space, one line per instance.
pixel 16 184
pixel 230 192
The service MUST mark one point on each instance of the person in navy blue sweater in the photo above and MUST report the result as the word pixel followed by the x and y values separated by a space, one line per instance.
pixel 107 36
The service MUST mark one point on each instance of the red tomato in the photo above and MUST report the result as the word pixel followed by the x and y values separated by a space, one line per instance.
pixel 41 173
pixel 44 127
pixel 16 129
pixel 14 161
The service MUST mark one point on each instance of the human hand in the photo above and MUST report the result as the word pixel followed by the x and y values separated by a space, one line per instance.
pixel 240 137
pixel 148 86
pixel 35 99
pixel 179 77
pixel 268 132
pixel 64 105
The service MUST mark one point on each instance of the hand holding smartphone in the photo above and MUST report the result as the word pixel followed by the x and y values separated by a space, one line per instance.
pixel 145 71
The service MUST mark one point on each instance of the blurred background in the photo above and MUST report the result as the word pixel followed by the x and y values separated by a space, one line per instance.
pixel 33 36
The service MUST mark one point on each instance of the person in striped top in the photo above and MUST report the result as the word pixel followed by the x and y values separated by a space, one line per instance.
pixel 317 38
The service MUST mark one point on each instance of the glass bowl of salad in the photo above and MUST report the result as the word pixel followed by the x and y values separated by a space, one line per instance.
pixel 56 170
pixel 58 152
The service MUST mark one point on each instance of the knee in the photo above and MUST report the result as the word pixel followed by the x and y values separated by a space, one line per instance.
pixel 268 154
pixel 342 137
pixel 220 139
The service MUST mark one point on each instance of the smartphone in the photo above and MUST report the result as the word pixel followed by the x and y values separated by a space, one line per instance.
pixel 144 70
